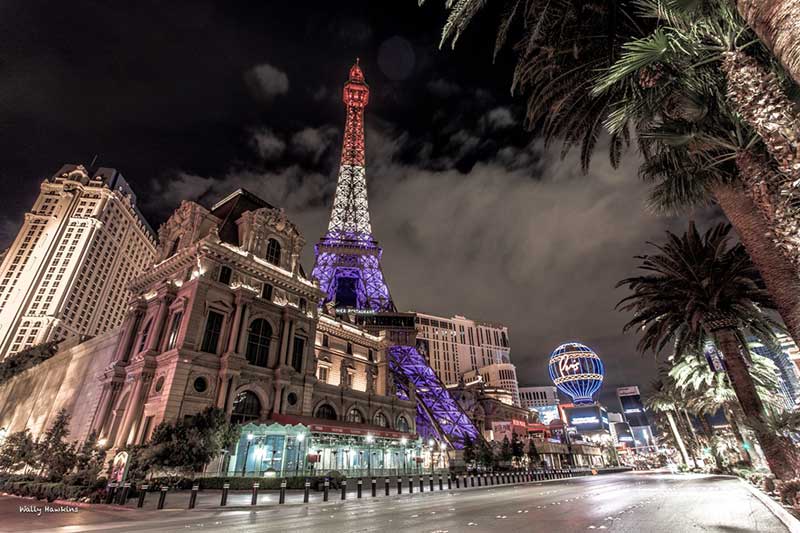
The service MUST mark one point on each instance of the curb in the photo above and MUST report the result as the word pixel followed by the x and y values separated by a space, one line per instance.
pixel 786 518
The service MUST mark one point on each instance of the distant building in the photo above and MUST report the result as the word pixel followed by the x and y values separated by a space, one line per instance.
pixel 630 400
pixel 67 272
pixel 532 397
pixel 459 349
pixel 787 369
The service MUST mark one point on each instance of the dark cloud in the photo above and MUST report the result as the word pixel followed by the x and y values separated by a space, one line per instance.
pixel 475 216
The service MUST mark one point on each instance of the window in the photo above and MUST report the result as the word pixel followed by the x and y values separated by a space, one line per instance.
pixel 303 305
pixel 246 408
pixel 322 374
pixel 380 420
pixel 174 327
pixel 325 411
pixel 402 424
pixel 258 339
pixel 326 342
pixel 148 422
pixel 143 336
pixel 350 348
pixel 225 274
pixel 291 398
pixel 200 385
pixel 371 355
pixel 211 335
pixel 266 292
pixel 174 248
pixel 159 384
pixel 354 415
pixel 297 353
pixel 273 252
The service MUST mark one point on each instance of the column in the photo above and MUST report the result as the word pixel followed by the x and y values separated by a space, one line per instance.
pixel 235 326
pixel 154 341
pixel 284 338
pixel 130 326
pixel 276 401
pixel 102 408
pixel 245 316
pixel 230 394
pixel 132 411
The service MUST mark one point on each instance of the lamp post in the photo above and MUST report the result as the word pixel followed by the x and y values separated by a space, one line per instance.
pixel 299 442
pixel 370 439
pixel 404 443
pixel 431 442
pixel 246 453
pixel 442 448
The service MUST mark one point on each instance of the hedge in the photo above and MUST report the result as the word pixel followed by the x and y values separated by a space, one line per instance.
pixel 46 491
pixel 240 483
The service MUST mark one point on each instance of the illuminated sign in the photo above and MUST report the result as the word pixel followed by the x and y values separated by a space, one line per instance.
pixel 569 365
pixel 580 420
pixel 634 410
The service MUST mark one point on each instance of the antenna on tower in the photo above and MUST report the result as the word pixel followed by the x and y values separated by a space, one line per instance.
pixel 91 165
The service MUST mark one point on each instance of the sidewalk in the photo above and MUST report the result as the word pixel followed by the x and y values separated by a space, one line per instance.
pixel 239 499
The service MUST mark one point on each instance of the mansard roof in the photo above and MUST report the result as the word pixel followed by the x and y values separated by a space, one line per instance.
pixel 230 208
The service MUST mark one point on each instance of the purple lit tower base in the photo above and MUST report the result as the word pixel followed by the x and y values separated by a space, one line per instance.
pixel 438 415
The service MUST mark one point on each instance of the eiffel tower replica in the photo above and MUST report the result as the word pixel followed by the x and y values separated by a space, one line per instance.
pixel 348 268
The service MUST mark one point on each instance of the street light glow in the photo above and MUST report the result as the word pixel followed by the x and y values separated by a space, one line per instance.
pixel 430 442
pixel 102 442
pixel 301 437
pixel 249 436
pixel 403 441
pixel 370 438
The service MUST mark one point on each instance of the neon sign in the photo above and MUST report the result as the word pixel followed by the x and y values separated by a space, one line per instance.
pixel 580 420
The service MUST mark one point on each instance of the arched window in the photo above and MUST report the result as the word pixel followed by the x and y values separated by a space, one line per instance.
pixel 380 420
pixel 173 249
pixel 402 424
pixel 273 252
pixel 143 336
pixel 354 415
pixel 259 335
pixel 326 412
pixel 246 408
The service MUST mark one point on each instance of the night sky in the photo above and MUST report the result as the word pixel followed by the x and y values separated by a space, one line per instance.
pixel 191 100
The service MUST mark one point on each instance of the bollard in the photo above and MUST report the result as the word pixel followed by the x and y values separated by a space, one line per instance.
pixel 358 487
pixel 307 487
pixel 421 484
pixel 471 480
pixel 224 500
pixel 430 482
pixel 142 494
pixel 374 487
pixel 458 482
pixel 254 492
pixel 162 498
pixel 344 489
pixel 193 496
pixel 325 487
pixel 440 482
pixel 281 496
pixel 449 482
pixel 410 485
pixel 399 485
pixel 123 495
pixel 111 490
pixel 479 479
pixel 386 486
pixel 492 479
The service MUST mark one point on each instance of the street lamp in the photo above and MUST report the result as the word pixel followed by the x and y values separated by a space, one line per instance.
pixel 431 442
pixel 300 438
pixel 370 439
pixel 246 453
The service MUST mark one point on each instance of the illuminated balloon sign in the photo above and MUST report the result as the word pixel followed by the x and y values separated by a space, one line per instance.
pixel 577 371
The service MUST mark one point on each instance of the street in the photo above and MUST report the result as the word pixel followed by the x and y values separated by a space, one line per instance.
pixel 629 502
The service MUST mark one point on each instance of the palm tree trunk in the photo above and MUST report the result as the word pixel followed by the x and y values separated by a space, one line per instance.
pixel 756 94
pixel 776 24
pixel 781 458
pixel 737 433
pixel 779 274
pixel 678 439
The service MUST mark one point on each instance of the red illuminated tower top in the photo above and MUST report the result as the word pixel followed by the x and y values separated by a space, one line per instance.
pixel 355 97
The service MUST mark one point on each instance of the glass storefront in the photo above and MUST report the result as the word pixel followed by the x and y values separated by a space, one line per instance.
pixel 294 450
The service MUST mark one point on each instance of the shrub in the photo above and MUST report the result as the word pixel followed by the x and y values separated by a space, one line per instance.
pixel 788 491
pixel 44 490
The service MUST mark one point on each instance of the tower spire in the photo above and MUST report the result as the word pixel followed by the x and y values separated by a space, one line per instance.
pixel 348 258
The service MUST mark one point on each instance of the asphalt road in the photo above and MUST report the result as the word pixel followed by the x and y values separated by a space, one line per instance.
pixel 630 502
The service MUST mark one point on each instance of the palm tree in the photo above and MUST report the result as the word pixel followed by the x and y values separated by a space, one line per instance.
pixel 775 23
pixel 561 45
pixel 698 288
pixel 663 399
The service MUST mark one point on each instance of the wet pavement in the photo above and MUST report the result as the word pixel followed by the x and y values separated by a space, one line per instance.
pixel 630 502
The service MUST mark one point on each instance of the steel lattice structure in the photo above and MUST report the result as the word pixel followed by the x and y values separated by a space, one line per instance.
pixel 348 269
pixel 438 415
pixel 348 264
